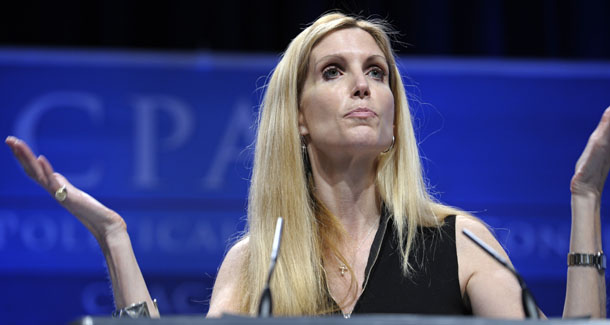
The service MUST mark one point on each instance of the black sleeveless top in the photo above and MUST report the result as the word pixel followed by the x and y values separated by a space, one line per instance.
pixel 432 288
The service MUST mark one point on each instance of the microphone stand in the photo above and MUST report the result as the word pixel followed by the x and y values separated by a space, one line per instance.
pixel 527 299
pixel 265 306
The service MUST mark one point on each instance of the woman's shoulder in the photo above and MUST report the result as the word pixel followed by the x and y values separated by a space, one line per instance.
pixel 238 251
pixel 462 220
pixel 478 228
pixel 464 246
pixel 227 281
pixel 471 258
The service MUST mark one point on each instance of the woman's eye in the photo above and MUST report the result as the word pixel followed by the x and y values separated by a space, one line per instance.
pixel 377 73
pixel 330 73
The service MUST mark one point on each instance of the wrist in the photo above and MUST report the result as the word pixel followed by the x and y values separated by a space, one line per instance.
pixel 113 231
pixel 585 236
pixel 585 192
pixel 585 205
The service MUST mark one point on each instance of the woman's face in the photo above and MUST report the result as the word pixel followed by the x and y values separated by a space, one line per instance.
pixel 346 102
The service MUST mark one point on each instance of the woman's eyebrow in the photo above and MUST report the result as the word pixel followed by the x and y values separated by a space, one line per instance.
pixel 328 58
pixel 341 57
pixel 376 57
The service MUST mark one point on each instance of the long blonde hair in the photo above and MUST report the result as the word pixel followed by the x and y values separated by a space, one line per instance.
pixel 280 185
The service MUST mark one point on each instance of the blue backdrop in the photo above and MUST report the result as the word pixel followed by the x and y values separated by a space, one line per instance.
pixel 164 139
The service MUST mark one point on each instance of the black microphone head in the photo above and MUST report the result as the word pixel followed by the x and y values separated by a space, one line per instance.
pixel 265 306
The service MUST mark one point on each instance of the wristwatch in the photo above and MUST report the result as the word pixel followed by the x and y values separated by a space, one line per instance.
pixel 136 310
pixel 597 260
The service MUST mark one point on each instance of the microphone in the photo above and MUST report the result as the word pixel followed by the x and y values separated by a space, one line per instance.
pixel 265 305
pixel 527 299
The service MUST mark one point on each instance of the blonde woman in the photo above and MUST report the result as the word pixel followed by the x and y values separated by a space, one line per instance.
pixel 336 157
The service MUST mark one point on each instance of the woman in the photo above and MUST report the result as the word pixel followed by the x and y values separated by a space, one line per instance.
pixel 336 157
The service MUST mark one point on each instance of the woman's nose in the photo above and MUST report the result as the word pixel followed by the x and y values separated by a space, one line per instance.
pixel 361 86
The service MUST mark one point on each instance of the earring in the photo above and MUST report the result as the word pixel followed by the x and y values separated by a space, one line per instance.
pixel 305 154
pixel 390 147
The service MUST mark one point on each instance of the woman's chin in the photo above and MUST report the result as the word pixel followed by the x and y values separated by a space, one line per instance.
pixel 355 145
pixel 361 147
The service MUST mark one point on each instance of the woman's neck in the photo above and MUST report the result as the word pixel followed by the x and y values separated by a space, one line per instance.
pixel 346 186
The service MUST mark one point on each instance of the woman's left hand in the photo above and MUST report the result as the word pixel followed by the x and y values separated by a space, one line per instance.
pixel 593 165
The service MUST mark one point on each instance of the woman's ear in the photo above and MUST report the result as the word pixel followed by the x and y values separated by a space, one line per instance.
pixel 303 130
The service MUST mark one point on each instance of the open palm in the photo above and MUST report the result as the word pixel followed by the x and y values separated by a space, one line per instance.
pixel 96 217
pixel 593 165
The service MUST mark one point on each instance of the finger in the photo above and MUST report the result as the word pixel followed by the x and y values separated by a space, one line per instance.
pixel 602 131
pixel 600 137
pixel 52 183
pixel 605 124
pixel 22 161
pixel 57 181
pixel 12 143
pixel 61 180
pixel 10 140
pixel 28 160
pixel 596 155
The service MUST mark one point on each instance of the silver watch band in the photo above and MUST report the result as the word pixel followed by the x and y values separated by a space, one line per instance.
pixel 137 310
pixel 579 259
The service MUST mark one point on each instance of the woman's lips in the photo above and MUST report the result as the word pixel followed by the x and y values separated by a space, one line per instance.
pixel 361 113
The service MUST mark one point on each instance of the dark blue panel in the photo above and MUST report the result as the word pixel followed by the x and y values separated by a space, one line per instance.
pixel 61 298
pixel 164 140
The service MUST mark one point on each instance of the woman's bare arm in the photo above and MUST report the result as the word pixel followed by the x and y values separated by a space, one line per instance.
pixel 106 226
pixel 494 292
pixel 224 297
pixel 586 286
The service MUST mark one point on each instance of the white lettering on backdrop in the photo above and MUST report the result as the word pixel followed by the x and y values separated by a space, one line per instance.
pixel 28 122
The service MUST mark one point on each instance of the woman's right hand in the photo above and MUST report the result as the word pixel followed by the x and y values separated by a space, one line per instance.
pixel 100 220
pixel 106 225
pixel 594 163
